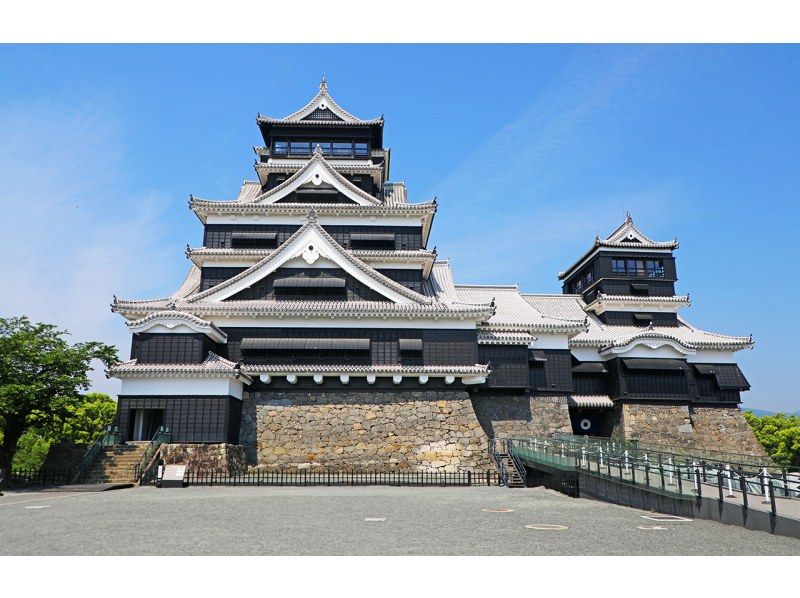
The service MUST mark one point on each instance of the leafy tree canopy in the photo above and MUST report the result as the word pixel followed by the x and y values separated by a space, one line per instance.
pixel 41 373
pixel 780 436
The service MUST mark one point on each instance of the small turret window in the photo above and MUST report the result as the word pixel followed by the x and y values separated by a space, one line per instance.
pixel 635 267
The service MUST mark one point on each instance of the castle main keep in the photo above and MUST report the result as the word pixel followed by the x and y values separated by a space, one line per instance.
pixel 317 328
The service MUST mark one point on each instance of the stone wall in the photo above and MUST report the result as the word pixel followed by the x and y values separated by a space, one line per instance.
pixel 419 431
pixel 220 458
pixel 708 428
pixel 718 427
pixel 503 416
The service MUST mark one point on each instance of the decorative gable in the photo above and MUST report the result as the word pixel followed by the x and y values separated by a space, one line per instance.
pixel 317 175
pixel 312 246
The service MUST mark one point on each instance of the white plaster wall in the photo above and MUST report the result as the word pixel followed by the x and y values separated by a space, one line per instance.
pixel 182 386
pixel 550 341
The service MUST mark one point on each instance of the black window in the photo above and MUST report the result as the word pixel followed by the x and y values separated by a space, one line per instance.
pixel 341 148
pixel 618 266
pixel 655 268
pixel 299 148
pixel 280 148
pixel 362 149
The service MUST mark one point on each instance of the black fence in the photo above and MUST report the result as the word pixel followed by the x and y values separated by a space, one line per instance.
pixel 343 478
pixel 21 478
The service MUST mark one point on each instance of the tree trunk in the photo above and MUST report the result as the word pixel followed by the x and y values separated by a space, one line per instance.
pixel 10 438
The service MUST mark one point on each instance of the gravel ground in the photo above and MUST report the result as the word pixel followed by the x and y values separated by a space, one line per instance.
pixel 335 521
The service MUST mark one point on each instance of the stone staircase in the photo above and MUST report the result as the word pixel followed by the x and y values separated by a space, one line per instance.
pixel 116 464
pixel 515 478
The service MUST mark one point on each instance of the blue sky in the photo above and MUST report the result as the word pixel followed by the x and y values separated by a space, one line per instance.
pixel 531 151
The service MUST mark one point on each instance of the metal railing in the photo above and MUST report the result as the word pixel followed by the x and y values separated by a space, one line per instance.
pixel 666 473
pixel 495 449
pixel 110 437
pixel 296 477
pixel 639 446
pixel 145 470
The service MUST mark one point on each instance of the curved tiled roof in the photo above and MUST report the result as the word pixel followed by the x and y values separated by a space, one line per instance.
pixel 602 336
pixel 293 181
pixel 367 309
pixel 279 253
pixel 498 337
pixel 513 311
pixel 325 101
pixel 179 315
pixel 625 236
pixel 477 369
pixel 214 366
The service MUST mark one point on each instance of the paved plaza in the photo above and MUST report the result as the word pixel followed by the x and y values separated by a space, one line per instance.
pixel 354 521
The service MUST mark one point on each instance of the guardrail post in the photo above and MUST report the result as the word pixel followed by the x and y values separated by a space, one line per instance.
pixel 696 477
pixel 719 484
pixel 785 483
pixel 627 458
pixel 773 512
pixel 671 472
pixel 730 481
pixel 601 459
pixel 768 496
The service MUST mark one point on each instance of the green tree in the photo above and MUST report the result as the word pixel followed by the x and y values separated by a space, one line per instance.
pixel 40 373
pixel 81 420
pixel 780 436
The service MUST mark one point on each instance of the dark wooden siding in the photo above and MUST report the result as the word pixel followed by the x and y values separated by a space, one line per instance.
pixel 190 418
pixel 219 235
pixel 627 318
pixel 211 276
pixel 354 290
pixel 509 365
pixel 439 347
pixel 170 348
pixel 553 374
pixel 590 384
pixel 609 283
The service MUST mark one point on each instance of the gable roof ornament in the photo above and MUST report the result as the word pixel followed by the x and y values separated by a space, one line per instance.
pixel 321 101
pixel 312 215
pixel 310 243
pixel 625 236
pixel 316 172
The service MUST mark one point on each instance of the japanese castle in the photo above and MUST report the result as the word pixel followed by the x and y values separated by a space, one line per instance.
pixel 316 288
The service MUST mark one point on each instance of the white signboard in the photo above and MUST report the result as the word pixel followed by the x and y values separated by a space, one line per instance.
pixel 173 473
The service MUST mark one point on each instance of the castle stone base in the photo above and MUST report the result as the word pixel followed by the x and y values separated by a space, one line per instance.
pixel 721 429
pixel 504 416
pixel 382 431
pixel 219 458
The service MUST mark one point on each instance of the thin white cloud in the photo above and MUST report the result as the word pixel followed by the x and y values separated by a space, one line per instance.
pixel 70 237
pixel 507 207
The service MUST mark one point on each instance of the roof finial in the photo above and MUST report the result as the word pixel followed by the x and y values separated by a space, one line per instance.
pixel 628 217
pixel 323 85
pixel 312 215
pixel 317 150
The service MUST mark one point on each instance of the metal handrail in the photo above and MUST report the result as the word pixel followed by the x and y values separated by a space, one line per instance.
pixel 162 436
pixel 667 449
pixel 659 471
pixel 110 437
pixel 501 466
